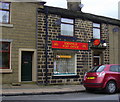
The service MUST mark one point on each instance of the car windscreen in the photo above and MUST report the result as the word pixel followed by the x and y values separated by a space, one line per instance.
pixel 97 69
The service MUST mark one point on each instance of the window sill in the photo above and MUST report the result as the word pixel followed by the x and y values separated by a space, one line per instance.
pixel 5 70
pixel 6 25
pixel 67 37
pixel 64 74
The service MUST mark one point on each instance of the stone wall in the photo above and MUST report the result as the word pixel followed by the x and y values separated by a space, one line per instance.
pixel 83 33
pixel 22 33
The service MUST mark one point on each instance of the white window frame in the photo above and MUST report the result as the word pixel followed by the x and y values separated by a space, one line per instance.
pixel 65 31
pixel 67 74
pixel 96 28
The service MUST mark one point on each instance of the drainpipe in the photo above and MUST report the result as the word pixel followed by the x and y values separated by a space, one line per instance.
pixel 46 46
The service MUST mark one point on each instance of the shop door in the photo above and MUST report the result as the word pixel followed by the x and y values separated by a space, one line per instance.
pixel 96 60
pixel 26 67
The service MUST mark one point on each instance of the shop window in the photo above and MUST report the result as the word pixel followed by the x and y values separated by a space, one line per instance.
pixel 4 55
pixel 65 65
pixel 96 31
pixel 4 12
pixel 67 27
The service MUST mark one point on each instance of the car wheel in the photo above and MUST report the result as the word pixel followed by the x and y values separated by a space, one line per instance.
pixel 111 87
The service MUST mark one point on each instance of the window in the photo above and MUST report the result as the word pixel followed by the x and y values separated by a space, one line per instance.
pixel 119 68
pixel 98 69
pixel 4 12
pixel 96 31
pixel 114 68
pixel 4 55
pixel 65 65
pixel 67 27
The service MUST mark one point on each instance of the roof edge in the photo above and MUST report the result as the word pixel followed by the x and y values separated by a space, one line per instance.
pixel 78 14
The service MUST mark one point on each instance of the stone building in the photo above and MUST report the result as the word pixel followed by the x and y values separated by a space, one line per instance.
pixel 51 45
pixel 72 43
pixel 18 41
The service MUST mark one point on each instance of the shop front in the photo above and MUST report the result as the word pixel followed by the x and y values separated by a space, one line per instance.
pixel 64 63
pixel 65 56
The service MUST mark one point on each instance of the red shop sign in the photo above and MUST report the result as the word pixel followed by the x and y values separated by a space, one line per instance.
pixel 69 45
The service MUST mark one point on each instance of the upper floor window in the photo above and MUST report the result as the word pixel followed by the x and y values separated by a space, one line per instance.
pixel 67 27
pixel 4 12
pixel 4 55
pixel 96 31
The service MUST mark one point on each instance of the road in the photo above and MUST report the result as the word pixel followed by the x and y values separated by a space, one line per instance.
pixel 70 97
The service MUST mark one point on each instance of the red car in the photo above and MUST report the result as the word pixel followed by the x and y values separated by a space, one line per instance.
pixel 105 77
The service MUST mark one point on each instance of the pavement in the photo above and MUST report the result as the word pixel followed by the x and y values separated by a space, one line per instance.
pixel 34 89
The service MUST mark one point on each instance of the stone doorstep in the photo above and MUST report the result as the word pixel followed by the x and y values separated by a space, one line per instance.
pixel 16 84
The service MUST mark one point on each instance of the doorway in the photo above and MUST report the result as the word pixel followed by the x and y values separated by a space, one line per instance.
pixel 26 66
pixel 96 60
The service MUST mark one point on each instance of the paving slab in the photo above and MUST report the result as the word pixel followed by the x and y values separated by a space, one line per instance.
pixel 33 89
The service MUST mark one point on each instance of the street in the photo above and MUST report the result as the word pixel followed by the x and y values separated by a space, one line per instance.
pixel 71 97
